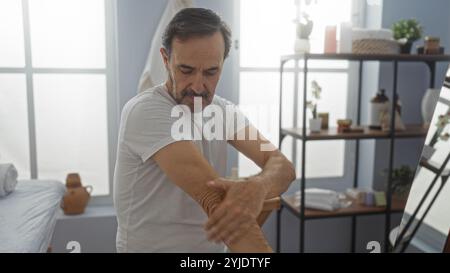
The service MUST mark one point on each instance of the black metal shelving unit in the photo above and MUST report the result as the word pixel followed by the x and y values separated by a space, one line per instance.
pixel 302 134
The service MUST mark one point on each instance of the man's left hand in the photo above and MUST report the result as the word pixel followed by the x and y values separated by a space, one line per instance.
pixel 239 209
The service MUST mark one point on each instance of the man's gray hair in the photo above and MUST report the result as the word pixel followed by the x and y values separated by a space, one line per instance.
pixel 195 22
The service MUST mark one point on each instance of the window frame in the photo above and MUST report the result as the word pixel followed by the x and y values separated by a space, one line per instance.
pixel 110 72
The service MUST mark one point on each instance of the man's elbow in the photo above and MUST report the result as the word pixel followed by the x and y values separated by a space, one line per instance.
pixel 287 171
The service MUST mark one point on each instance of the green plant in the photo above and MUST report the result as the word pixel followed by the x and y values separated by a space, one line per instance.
pixel 402 179
pixel 304 27
pixel 409 30
pixel 316 90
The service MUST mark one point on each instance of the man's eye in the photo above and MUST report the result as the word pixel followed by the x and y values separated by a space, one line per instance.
pixel 211 73
pixel 186 72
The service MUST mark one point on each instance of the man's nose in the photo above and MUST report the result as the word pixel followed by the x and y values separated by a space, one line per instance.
pixel 198 83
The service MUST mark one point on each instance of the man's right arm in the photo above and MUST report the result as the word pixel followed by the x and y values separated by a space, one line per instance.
pixel 187 168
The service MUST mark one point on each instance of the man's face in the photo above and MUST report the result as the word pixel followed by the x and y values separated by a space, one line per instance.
pixel 194 68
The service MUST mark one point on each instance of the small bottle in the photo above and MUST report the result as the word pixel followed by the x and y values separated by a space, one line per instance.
pixel 378 106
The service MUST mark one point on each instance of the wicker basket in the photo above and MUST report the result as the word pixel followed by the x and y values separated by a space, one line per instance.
pixel 375 46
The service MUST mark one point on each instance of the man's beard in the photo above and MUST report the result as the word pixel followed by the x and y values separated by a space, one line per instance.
pixel 187 96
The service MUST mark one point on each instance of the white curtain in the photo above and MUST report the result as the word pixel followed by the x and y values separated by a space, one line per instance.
pixel 154 72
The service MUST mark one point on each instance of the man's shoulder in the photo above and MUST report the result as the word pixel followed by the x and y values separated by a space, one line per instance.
pixel 222 102
pixel 155 97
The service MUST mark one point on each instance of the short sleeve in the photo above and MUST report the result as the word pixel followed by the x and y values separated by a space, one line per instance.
pixel 149 127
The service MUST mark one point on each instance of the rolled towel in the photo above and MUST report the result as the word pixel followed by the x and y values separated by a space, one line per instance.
pixel 8 179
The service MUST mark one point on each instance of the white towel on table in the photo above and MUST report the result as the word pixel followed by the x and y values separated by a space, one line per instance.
pixel 154 72
pixel 8 179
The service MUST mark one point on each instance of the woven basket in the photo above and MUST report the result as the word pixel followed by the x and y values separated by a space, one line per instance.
pixel 375 46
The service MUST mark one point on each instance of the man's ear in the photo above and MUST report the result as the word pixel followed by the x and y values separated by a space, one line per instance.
pixel 165 56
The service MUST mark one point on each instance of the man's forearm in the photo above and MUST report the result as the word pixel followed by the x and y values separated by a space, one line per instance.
pixel 254 240
pixel 276 176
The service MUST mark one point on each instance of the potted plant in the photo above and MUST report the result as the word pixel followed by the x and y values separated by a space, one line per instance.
pixel 315 123
pixel 304 30
pixel 402 179
pixel 406 32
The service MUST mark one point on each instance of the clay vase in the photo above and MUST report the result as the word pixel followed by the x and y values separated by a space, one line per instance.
pixel 76 197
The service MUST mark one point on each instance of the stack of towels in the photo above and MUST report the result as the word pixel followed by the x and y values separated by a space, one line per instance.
pixel 376 34
pixel 8 179
pixel 321 199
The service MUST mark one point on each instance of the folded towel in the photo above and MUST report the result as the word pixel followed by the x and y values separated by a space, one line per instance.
pixel 8 179
pixel 379 34
pixel 320 199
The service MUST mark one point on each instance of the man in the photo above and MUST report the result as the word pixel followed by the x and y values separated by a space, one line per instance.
pixel 169 193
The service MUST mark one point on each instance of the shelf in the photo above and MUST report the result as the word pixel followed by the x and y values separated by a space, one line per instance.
pixel 367 57
pixel 354 210
pixel 412 131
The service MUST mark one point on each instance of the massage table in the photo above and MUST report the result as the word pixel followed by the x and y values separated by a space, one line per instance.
pixel 28 216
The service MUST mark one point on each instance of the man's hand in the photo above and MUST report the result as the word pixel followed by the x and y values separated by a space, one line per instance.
pixel 239 209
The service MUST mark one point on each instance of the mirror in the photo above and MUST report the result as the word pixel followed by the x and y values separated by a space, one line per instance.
pixel 425 226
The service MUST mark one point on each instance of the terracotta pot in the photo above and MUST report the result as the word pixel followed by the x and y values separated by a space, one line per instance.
pixel 76 199
pixel 73 180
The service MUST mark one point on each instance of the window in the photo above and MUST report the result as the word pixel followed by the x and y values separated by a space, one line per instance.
pixel 267 31
pixel 57 90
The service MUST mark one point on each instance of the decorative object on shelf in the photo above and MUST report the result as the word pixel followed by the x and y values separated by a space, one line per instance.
pixel 76 197
pixel 386 119
pixel 429 102
pixel 370 199
pixel 402 179
pixel 406 32
pixel 432 45
pixel 315 123
pixel 421 51
pixel 380 198
pixel 353 130
pixel 345 38
pixel 357 195
pixel 304 29
pixel 374 41
pixel 325 120
pixel 378 105
pixel 367 198
pixel 344 124
pixel 330 39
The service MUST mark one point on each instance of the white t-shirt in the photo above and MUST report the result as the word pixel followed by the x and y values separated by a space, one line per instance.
pixel 154 214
